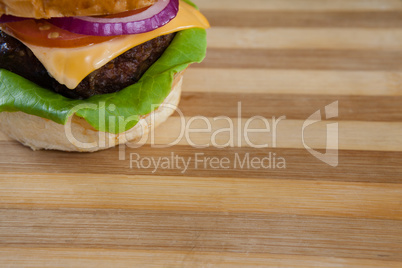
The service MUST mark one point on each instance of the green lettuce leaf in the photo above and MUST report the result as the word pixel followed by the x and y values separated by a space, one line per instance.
pixel 190 3
pixel 116 112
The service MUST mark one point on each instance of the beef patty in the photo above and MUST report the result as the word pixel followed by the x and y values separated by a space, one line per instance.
pixel 117 74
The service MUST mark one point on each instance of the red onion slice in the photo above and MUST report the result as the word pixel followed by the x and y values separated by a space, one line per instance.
pixel 152 18
pixel 10 18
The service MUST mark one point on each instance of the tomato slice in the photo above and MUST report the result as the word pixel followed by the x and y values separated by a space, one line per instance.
pixel 43 33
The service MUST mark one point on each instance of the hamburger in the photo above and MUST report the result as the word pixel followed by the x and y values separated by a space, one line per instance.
pixel 88 75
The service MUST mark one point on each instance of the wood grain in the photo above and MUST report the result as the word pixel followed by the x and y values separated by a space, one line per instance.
pixel 355 166
pixel 204 231
pixel 296 38
pixel 274 58
pixel 305 5
pixel 51 257
pixel 304 59
pixel 294 106
pixel 236 195
pixel 304 19
pixel 314 82
pixel 352 135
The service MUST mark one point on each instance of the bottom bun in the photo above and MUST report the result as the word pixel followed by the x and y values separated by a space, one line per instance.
pixel 78 135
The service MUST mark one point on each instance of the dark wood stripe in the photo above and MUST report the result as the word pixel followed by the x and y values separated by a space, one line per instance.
pixel 354 166
pixel 203 231
pixel 359 108
pixel 316 59
pixel 304 19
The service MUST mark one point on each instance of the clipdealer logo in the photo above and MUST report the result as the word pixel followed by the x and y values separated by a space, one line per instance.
pixel 199 161
pixel 331 155
pixel 238 132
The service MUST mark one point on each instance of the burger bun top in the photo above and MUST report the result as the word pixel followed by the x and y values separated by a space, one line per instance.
pixel 40 9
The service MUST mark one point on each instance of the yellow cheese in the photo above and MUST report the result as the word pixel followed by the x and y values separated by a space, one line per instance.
pixel 69 66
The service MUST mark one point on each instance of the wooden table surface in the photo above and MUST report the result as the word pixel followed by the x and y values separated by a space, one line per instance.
pixel 268 61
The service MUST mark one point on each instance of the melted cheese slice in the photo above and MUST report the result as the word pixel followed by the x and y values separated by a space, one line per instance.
pixel 69 66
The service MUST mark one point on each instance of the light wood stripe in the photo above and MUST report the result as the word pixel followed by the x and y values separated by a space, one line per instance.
pixel 333 199
pixel 297 5
pixel 235 81
pixel 301 38
pixel 352 135
pixel 203 231
pixel 66 257
pixel 354 166
pixel 351 60
pixel 304 19
pixel 295 106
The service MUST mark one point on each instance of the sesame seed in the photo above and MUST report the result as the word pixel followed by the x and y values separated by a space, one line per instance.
pixel 53 35
pixel 44 27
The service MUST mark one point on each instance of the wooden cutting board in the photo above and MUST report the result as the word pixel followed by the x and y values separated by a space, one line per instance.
pixel 269 61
